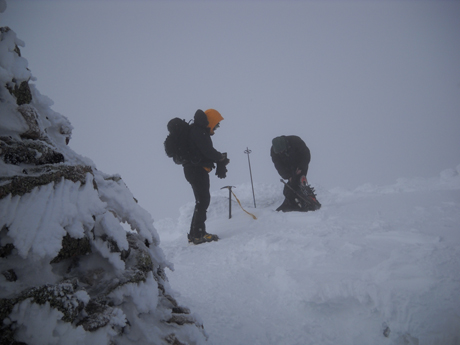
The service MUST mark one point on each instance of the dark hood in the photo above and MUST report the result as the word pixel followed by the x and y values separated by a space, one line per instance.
pixel 201 119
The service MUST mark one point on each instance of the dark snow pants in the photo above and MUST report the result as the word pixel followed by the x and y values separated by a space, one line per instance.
pixel 199 179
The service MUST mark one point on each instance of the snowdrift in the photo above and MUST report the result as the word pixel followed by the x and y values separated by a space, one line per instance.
pixel 375 265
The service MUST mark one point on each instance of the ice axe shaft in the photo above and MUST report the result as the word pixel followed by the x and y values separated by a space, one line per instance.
pixel 229 200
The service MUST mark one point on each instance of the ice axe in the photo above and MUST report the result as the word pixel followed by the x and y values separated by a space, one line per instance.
pixel 229 200
pixel 230 192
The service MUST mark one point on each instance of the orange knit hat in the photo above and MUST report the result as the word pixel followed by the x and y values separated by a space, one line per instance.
pixel 214 118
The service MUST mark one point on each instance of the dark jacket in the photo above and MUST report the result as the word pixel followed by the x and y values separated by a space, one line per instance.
pixel 203 152
pixel 296 156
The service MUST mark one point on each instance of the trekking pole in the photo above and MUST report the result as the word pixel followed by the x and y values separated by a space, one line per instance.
pixel 229 200
pixel 248 151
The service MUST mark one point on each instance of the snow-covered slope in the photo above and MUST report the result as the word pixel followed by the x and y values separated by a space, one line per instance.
pixel 376 265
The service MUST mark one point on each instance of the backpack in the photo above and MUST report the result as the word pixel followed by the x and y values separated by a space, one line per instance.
pixel 176 144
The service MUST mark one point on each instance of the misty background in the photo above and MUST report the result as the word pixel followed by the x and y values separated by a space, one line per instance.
pixel 372 87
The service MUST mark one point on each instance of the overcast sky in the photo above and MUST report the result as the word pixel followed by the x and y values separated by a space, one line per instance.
pixel 373 87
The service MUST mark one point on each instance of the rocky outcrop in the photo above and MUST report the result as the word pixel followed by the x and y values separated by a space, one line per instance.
pixel 35 177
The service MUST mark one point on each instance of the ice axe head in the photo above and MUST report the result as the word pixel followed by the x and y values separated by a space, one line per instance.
pixel 229 187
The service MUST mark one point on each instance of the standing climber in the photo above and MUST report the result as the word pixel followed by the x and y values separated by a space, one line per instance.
pixel 291 157
pixel 204 158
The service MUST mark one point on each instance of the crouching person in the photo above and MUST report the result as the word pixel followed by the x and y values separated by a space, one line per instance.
pixel 291 158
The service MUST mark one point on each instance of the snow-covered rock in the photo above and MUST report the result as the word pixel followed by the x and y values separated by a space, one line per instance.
pixel 80 261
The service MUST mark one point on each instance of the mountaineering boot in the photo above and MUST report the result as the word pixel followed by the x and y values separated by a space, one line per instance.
pixel 211 237
pixel 286 206
pixel 195 233
pixel 201 236
pixel 203 239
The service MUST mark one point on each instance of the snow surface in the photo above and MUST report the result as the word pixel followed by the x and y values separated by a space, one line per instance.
pixel 375 265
